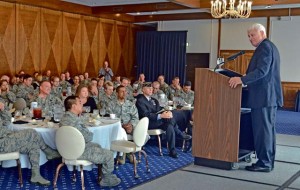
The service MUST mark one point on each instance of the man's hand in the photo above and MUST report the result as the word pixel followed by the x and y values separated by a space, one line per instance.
pixel 234 81
pixel 1 106
pixel 166 115
pixel 128 128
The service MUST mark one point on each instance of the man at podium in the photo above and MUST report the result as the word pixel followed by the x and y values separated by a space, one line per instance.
pixel 264 96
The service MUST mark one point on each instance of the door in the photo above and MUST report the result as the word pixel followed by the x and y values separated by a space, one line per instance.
pixel 195 60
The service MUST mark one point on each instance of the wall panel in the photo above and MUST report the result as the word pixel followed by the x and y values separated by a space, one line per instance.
pixel 7 38
pixel 106 49
pixel 90 45
pixel 28 39
pixel 122 49
pixel 51 41
pixel 72 43
pixel 290 90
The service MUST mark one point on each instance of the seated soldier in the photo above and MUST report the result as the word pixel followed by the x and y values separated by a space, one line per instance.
pixel 93 152
pixel 8 96
pixel 187 94
pixel 46 100
pixel 26 141
pixel 108 98
pixel 127 112
pixel 25 90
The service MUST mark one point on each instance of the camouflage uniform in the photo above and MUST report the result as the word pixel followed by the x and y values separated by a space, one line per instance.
pixel 64 84
pixel 9 97
pixel 86 82
pixel 129 93
pixel 25 92
pixel 26 141
pixel 107 102
pixel 93 152
pixel 188 97
pixel 164 87
pixel 172 92
pixel 57 92
pixel 127 112
pixel 47 104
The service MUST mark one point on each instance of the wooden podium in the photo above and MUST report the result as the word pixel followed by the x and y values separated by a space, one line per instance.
pixel 217 114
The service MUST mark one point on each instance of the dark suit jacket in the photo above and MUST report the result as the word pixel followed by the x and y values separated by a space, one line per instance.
pixel 149 109
pixel 263 77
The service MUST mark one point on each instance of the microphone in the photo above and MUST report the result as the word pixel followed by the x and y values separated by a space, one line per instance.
pixel 233 57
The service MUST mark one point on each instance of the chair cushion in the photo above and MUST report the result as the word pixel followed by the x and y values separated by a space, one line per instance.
pixel 78 162
pixel 124 146
pixel 155 131
pixel 9 156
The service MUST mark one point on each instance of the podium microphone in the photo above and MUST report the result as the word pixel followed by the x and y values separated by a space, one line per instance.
pixel 233 57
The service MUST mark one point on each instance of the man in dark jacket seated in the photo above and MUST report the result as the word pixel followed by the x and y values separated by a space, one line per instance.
pixel 149 107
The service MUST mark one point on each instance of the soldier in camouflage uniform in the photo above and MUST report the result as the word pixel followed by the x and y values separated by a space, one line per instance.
pixel 75 85
pixel 26 90
pixel 163 86
pixel 129 89
pixel 63 83
pixel 93 152
pixel 174 89
pixel 26 141
pixel 56 89
pixel 8 96
pixel 108 98
pixel 157 92
pixel 125 110
pixel 46 100
pixel 187 94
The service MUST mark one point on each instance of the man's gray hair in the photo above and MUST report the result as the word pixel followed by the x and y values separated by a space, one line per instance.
pixel 258 27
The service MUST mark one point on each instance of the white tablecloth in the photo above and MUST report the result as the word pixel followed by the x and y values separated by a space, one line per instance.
pixel 108 131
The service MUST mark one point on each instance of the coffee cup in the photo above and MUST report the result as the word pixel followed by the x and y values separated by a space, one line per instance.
pixel 112 116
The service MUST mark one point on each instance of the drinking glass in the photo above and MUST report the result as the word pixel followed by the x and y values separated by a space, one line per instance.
pixel 102 112
pixel 86 109
pixel 57 116
pixel 95 113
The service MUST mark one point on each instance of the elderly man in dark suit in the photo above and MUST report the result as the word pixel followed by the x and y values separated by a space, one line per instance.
pixel 265 95
pixel 149 107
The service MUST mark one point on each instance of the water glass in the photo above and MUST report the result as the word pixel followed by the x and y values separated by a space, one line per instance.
pixel 57 116
pixel 102 112
pixel 95 113
pixel 86 109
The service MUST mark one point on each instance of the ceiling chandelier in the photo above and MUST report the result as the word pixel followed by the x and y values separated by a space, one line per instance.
pixel 219 9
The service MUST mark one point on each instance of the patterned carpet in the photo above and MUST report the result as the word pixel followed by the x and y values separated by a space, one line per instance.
pixel 288 122
pixel 159 166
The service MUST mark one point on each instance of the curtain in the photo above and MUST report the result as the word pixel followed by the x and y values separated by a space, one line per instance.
pixel 161 53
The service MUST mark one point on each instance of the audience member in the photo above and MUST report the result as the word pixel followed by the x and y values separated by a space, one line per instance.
pixel 149 107
pixel 26 141
pixel 46 100
pixel 83 94
pixel 174 89
pixel 108 98
pixel 93 152
pixel 8 96
pixel 187 94
pixel 26 90
pixel 163 85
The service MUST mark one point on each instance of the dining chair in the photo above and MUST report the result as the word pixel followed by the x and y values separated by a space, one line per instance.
pixel 13 156
pixel 71 149
pixel 157 132
pixel 139 139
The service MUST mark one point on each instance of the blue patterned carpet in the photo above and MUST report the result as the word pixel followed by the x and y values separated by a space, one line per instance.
pixel 159 166
pixel 288 122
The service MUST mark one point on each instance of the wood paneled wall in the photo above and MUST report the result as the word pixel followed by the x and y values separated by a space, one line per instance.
pixel 290 90
pixel 37 39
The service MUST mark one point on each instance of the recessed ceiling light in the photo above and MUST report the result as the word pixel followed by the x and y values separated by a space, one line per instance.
pixel 138 13
pixel 268 6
